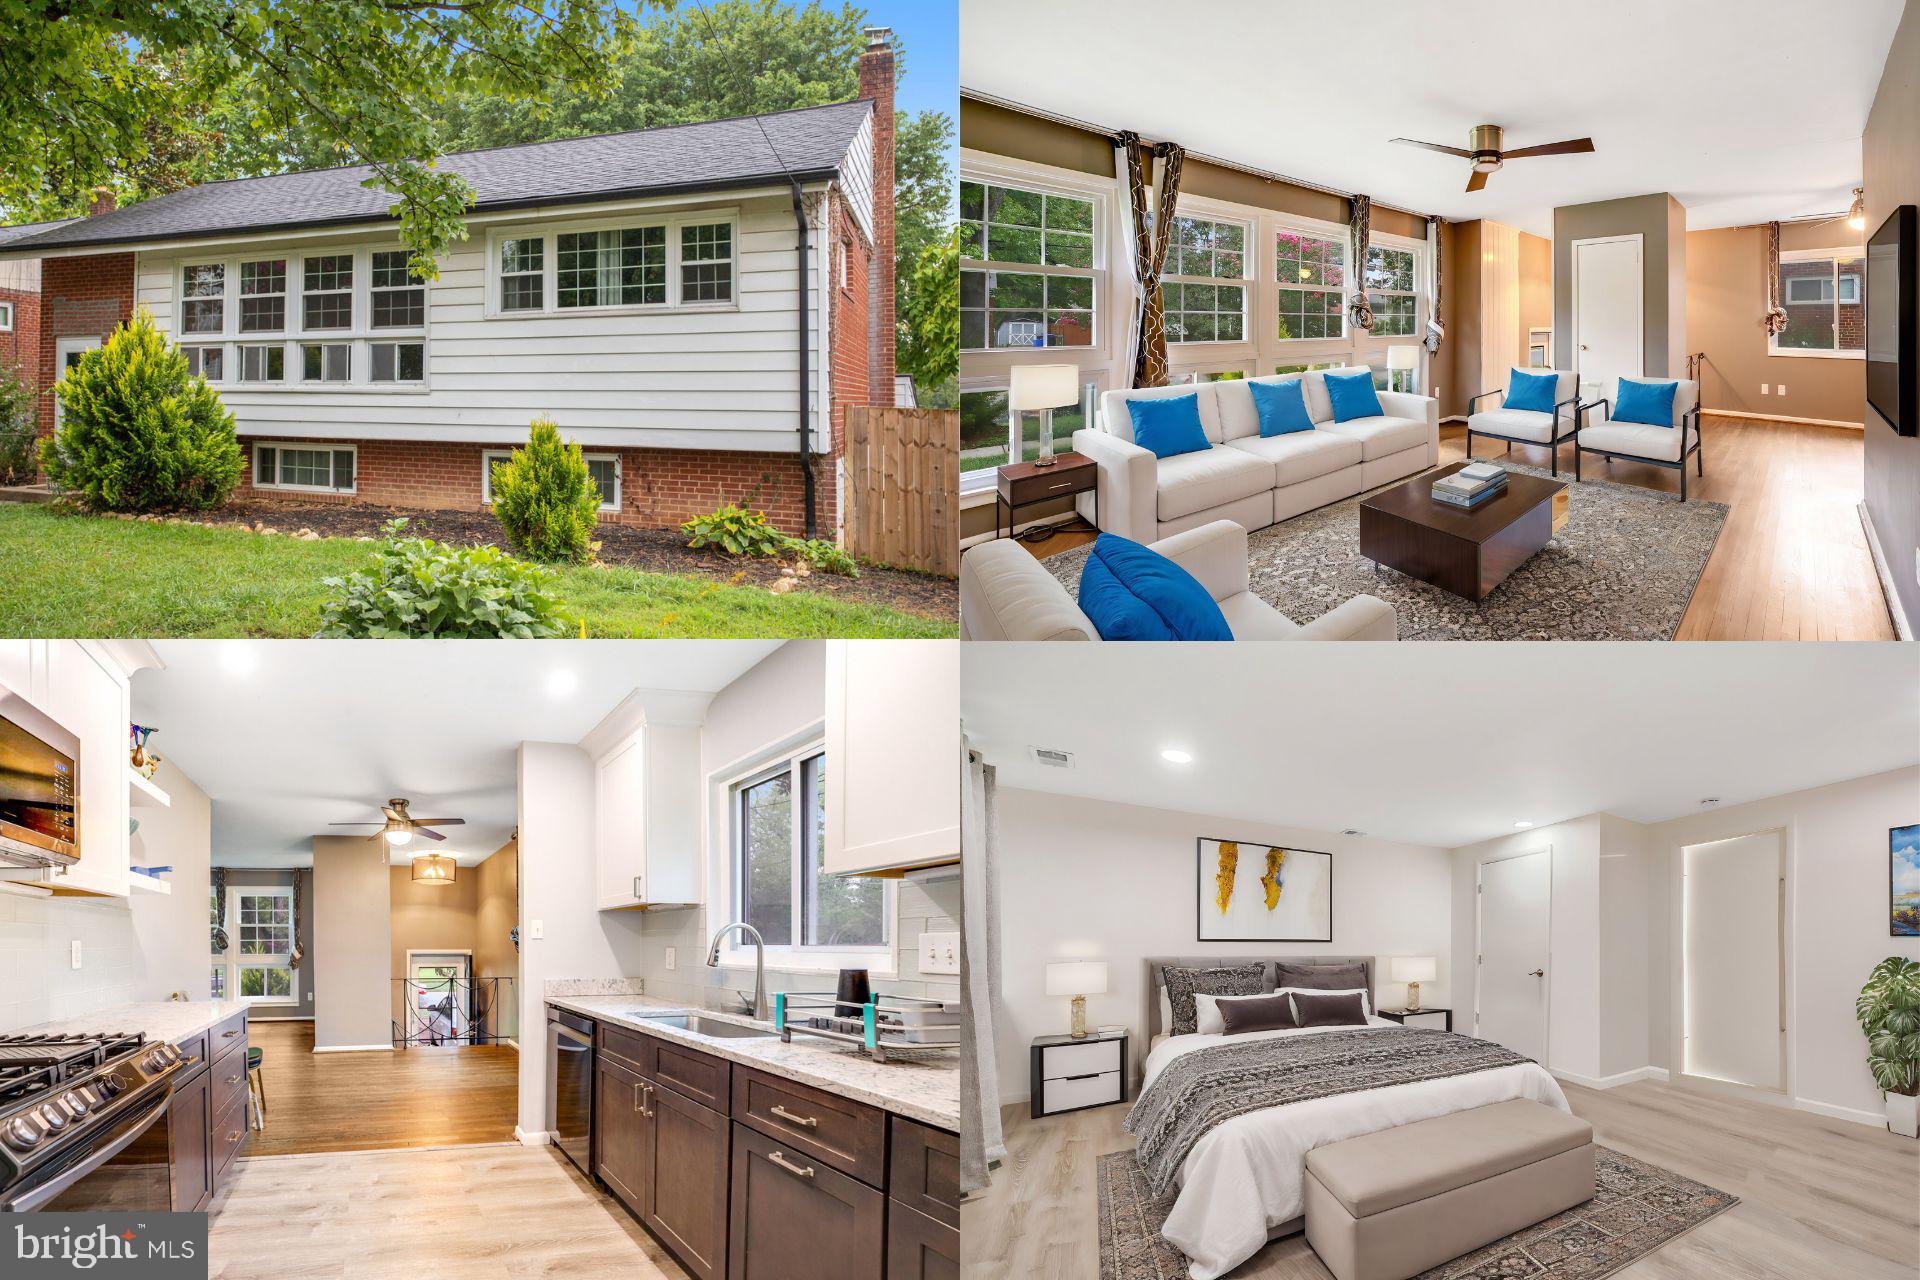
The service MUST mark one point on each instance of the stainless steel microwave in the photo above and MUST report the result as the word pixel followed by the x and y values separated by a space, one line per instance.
pixel 39 787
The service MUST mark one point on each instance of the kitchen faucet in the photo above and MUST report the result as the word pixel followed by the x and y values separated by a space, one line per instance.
pixel 759 964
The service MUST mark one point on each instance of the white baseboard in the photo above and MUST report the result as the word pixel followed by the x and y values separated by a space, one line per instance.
pixel 353 1048
pixel 1613 1081
pixel 1901 627
pixel 1776 417
pixel 512 1043
pixel 1876 1119
pixel 538 1138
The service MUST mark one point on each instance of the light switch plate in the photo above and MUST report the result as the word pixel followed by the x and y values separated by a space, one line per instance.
pixel 536 929
pixel 669 957
pixel 76 953
pixel 940 953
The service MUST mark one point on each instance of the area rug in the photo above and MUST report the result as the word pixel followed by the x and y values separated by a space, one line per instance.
pixel 1638 1208
pixel 1623 567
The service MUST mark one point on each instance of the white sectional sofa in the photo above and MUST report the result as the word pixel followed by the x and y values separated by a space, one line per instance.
pixel 1006 594
pixel 1250 480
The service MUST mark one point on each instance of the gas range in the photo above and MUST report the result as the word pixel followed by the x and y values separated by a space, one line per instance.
pixel 61 1093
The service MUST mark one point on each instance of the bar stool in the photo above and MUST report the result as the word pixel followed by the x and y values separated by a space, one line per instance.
pixel 256 1088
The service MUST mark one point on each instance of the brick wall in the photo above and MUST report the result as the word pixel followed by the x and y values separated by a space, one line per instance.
pixel 20 346
pixel 848 310
pixel 876 84
pixel 80 297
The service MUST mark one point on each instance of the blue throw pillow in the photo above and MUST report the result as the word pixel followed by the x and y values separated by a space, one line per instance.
pixel 1648 402
pixel 1131 592
pixel 1353 396
pixel 1530 391
pixel 1168 425
pixel 1282 407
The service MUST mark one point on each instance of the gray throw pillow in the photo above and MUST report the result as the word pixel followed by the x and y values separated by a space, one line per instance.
pixel 1228 980
pixel 1322 977
pixel 1262 1013
pixel 1329 1010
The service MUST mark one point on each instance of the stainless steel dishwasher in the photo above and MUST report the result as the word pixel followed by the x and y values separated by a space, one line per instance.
pixel 570 1086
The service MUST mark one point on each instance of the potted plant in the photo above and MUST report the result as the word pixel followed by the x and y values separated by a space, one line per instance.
pixel 1889 1012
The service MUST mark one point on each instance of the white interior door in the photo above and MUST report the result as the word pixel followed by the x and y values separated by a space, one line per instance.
pixel 1608 315
pixel 1733 1022
pixel 1516 913
pixel 66 354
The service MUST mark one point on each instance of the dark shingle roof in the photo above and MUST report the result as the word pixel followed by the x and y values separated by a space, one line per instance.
pixel 809 143
pixel 21 230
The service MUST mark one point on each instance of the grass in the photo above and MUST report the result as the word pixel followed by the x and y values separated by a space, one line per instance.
pixel 66 574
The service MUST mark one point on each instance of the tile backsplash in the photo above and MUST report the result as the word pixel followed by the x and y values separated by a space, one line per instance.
pixel 925 906
pixel 37 979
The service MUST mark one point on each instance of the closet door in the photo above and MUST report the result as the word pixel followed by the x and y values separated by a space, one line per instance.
pixel 1734 1021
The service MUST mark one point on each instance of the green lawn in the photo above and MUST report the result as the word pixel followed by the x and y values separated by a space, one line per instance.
pixel 63 574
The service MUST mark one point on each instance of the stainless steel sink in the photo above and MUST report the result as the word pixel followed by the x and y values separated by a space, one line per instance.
pixel 708 1026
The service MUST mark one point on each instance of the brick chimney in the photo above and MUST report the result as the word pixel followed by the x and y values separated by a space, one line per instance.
pixel 876 85
pixel 103 202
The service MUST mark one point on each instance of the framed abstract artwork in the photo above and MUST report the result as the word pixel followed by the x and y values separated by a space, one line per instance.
pixel 1249 892
pixel 1903 881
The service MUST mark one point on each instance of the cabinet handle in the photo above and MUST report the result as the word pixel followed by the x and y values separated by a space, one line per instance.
pixel 235 1135
pixel 790 1167
pixel 641 1088
pixel 233 1079
pixel 636 890
pixel 228 1035
pixel 805 1122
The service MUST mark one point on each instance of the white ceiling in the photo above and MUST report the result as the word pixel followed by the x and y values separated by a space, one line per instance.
pixel 1442 745
pixel 320 731
pixel 1746 110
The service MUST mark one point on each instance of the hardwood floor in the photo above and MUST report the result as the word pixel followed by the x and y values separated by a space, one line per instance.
pixel 1792 562
pixel 417 1097
pixel 1819 1197
pixel 481 1213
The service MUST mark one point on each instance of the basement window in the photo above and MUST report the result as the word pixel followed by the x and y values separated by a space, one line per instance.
pixel 309 468
pixel 602 468
pixel 6 317
pixel 1824 295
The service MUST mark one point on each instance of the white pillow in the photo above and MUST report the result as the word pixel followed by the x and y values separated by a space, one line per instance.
pixel 1206 1011
pixel 1166 1013
pixel 1366 1001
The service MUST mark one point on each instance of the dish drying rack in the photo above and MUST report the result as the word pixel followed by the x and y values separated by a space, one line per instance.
pixel 886 1027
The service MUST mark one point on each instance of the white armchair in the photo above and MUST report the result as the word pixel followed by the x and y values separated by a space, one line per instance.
pixel 1006 594
pixel 1526 426
pixel 1657 446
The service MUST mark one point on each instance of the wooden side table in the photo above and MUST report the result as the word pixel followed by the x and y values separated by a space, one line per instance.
pixel 1401 1016
pixel 1021 484
pixel 1072 1075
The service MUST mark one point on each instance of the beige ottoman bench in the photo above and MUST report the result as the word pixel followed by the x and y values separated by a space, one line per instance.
pixel 1388 1205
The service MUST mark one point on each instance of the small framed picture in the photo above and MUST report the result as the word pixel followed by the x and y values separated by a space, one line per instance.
pixel 1903 881
pixel 1250 892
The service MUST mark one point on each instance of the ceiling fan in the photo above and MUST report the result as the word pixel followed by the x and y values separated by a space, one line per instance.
pixel 399 826
pixel 1483 148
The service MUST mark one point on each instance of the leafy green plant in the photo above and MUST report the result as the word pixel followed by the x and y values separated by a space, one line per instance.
pixel 736 531
pixel 545 498
pixel 138 431
pixel 1889 1013
pixel 19 427
pixel 824 556
pixel 419 587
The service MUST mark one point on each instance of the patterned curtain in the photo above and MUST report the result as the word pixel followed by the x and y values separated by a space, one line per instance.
pixel 1152 234
pixel 1776 316
pixel 1359 312
pixel 1436 331
pixel 219 932
pixel 293 956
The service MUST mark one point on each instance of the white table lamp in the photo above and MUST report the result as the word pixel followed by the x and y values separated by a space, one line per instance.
pixel 1079 979
pixel 1043 387
pixel 1414 970
pixel 1402 359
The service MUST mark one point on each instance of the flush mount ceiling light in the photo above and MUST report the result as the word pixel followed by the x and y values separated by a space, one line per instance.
pixel 239 658
pixel 434 868
pixel 1857 215
pixel 1521 826
pixel 562 682
pixel 1174 755
pixel 398 835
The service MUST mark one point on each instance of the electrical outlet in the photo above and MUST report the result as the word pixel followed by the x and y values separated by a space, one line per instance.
pixel 940 953
pixel 670 957
pixel 536 929
pixel 1764 390
pixel 76 953
pixel 1779 388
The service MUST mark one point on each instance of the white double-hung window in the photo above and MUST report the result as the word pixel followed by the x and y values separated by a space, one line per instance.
pixel 687 261
pixel 258 967
pixel 1203 286
pixel 1310 279
pixel 1392 281
pixel 1824 293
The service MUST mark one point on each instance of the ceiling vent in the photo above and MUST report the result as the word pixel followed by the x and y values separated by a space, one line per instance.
pixel 1051 758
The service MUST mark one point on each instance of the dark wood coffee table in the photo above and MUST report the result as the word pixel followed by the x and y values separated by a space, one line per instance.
pixel 1466 552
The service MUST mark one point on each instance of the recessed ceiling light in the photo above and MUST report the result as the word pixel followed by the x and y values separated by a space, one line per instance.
pixel 1521 826
pixel 1174 755
pixel 562 682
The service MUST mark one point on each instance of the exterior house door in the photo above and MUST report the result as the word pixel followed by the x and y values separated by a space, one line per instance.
pixel 439 994
pixel 1516 911
pixel 66 354
pixel 1609 317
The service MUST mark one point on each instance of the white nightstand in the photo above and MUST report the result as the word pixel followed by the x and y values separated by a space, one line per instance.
pixel 1072 1075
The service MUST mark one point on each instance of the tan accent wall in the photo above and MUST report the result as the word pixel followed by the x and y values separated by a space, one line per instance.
pixel 496 911
pixel 428 916
pixel 1536 290
pixel 1461 351
pixel 1890 163
pixel 1660 221
pixel 1726 300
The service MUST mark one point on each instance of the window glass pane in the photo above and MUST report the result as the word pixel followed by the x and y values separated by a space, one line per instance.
pixel 1807 296
pixel 835 911
pixel 706 263
pixel 263 315
pixel 310 467
pixel 984 431
pixel 263 277
pixel 253 982
pixel 327 311
pixel 1850 319
pixel 1309 260
pixel 279 982
pixel 398 361
pixel 217 989
pixel 390 270
pixel 1065 422
pixel 604 473
pixel 1390 269
pixel 328 363
pixel 334 271
pixel 1393 314
pixel 522 255
pixel 1204 312
pixel 208 362
pixel 399 308
pixel 342 479
pixel 263 364
pixel 263 464
pixel 522 264
pixel 766 840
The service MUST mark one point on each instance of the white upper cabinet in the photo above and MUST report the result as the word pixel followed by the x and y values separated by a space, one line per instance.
pixel 647 802
pixel 893 756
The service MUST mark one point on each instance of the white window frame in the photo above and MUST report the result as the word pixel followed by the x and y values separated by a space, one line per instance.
pixel 723 872
pixel 225 298
pixel 1415 249
pixel 330 446
pixel 353 280
pixel 196 353
pixel 319 340
pixel 490 456
pixel 6 317
pixel 397 382
pixel 1833 258
pixel 1045 187
pixel 549 234
pixel 375 289
pixel 240 350
pixel 1271 341
pixel 1201 211
pixel 289 318
pixel 237 963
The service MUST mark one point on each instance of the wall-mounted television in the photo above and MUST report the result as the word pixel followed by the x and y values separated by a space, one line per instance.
pixel 1893 328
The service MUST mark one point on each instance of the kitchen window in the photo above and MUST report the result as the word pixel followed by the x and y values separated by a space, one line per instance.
pixel 612 268
pixel 263 296
pixel 809 919
pixel 261 920
pixel 1311 273
pixel 706 262
pixel 263 364
pixel 523 274
pixel 326 299
pixel 203 291
pixel 398 361
pixel 603 469
pixel 206 362
pixel 1200 306
pixel 1823 293
pixel 1004 228
pixel 1390 279
pixel 326 362
pixel 319 469
pixel 399 300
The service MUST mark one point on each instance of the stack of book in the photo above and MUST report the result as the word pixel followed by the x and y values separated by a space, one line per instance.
pixel 1470 486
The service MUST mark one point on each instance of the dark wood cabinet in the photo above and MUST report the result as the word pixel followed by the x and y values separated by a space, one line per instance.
pixel 926 1170
pixel 623 1131
pixel 796 1218
pixel 687 1182
pixel 207 1118
pixel 189 1153
pixel 851 1136
pixel 918 1248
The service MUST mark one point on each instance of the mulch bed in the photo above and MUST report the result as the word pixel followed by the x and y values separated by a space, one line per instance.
pixel 650 550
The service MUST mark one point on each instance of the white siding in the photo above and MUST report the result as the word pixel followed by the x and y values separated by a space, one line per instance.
pixel 22 274
pixel 856 177
pixel 688 378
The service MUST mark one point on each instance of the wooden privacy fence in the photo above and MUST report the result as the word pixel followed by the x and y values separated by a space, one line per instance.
pixel 903 487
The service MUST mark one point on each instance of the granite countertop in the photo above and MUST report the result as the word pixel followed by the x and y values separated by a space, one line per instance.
pixel 170 1020
pixel 927 1091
